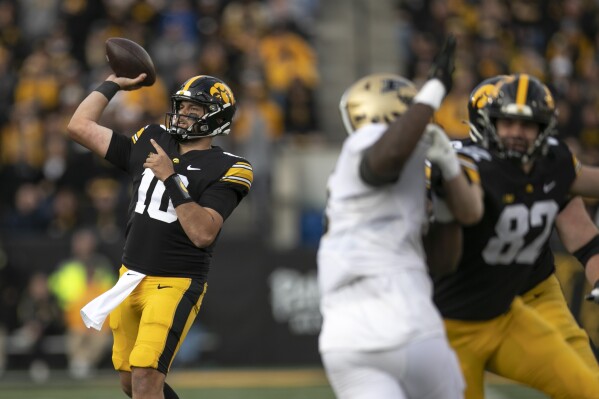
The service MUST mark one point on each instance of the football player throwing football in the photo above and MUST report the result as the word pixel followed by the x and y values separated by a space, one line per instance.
pixel 184 188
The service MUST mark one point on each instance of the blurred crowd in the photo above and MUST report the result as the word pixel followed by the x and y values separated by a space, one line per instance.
pixel 554 40
pixel 52 54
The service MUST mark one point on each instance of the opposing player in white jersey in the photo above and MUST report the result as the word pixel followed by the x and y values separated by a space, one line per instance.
pixel 382 337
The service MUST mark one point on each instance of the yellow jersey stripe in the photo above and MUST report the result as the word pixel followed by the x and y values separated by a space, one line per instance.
pixel 240 173
pixel 137 135
pixel 245 174
pixel 243 170
pixel 242 165
pixel 473 175
pixel 238 180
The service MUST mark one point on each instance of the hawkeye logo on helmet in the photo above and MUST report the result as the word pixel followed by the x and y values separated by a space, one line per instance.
pixel 222 91
pixel 549 98
pixel 483 95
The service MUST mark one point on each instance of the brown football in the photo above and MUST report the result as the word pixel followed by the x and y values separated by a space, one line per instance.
pixel 129 59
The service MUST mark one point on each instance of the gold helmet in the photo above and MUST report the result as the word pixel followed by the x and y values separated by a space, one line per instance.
pixel 377 98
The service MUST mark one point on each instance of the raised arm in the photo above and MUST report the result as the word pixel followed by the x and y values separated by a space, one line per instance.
pixel 384 160
pixel 83 126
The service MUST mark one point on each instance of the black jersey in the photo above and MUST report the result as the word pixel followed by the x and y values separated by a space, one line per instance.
pixel 509 247
pixel 156 244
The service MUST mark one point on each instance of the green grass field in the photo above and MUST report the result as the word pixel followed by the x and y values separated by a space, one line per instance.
pixel 212 384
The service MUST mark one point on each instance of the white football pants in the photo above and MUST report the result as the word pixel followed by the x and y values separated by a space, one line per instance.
pixel 426 369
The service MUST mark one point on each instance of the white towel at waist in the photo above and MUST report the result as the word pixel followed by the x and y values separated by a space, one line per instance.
pixel 96 311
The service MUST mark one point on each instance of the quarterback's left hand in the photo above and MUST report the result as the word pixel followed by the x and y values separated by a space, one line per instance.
pixel 441 152
pixel 594 294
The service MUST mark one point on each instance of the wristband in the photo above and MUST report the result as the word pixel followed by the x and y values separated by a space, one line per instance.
pixel 108 88
pixel 176 190
pixel 431 94
pixel 587 251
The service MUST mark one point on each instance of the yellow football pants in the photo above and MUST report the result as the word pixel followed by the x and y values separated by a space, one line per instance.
pixel 522 346
pixel 548 300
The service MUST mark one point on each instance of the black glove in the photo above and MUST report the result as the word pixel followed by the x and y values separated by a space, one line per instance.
pixel 443 64
pixel 594 294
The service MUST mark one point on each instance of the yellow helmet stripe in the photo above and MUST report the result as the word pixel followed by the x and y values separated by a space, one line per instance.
pixel 190 82
pixel 522 90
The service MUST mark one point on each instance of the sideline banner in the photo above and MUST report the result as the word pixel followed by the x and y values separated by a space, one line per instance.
pixel 262 305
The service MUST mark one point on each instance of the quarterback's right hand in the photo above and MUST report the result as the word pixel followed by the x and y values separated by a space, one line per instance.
pixel 127 83
pixel 444 64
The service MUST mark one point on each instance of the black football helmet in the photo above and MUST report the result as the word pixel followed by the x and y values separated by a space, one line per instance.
pixel 485 92
pixel 377 98
pixel 216 98
pixel 519 96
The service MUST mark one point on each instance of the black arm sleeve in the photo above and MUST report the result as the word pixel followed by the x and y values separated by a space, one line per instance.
pixel 587 251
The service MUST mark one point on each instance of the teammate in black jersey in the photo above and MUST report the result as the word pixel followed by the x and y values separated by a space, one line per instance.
pixel 527 177
pixel 183 190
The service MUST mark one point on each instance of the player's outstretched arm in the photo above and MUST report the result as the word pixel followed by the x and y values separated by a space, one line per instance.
pixel 83 126
pixel 385 158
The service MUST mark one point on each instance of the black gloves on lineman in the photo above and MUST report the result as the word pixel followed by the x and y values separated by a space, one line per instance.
pixel 443 64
